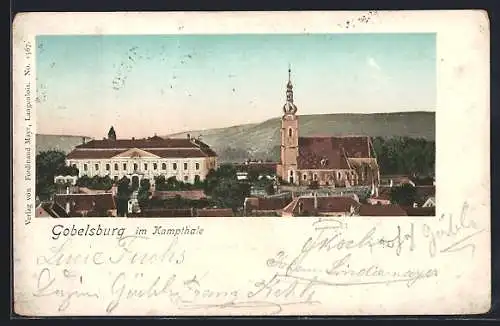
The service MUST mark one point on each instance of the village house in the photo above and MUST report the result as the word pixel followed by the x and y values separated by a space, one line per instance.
pixel 265 206
pixel 186 159
pixel 327 160
pixel 87 205
pixel 321 206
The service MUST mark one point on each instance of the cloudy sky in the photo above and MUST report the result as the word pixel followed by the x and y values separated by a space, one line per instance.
pixel 164 84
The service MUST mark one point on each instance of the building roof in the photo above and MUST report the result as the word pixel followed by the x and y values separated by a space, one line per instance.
pixel 167 212
pixel 326 204
pixel 86 202
pixel 164 148
pixel 420 211
pixel 381 210
pixel 268 203
pixel 53 209
pixel 215 212
pixel 331 152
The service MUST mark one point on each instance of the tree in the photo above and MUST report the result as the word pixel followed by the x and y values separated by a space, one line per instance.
pixel 270 188
pixel 403 195
pixel 48 164
pixel 123 193
pixel 253 175
pixel 230 193
pixel 144 193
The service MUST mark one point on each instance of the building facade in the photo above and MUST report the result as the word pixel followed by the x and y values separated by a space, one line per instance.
pixel 328 161
pixel 186 159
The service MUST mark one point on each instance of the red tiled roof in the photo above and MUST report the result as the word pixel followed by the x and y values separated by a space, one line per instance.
pixel 139 143
pixel 86 202
pixel 331 152
pixel 100 154
pixel 165 148
pixel 166 212
pixel 381 210
pixel 420 211
pixel 215 212
pixel 330 204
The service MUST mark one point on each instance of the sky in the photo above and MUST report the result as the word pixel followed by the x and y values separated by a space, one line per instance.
pixel 162 84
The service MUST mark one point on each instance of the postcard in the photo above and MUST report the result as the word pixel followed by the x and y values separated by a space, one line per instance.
pixel 251 163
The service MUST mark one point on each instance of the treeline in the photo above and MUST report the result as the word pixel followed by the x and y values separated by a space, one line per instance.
pixel 396 155
pixel 405 155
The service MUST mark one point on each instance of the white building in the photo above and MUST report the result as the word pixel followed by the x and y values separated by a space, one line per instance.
pixel 186 159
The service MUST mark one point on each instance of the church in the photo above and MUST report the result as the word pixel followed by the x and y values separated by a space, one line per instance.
pixel 337 161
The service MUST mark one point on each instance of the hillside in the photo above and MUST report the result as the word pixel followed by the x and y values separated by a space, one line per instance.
pixel 262 140
pixel 64 143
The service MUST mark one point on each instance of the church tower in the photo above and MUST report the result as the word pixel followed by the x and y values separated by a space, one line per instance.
pixel 289 137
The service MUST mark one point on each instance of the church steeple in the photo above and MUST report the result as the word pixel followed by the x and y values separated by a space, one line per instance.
pixel 289 107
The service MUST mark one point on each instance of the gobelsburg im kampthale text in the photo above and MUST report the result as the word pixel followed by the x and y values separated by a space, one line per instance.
pixel 60 230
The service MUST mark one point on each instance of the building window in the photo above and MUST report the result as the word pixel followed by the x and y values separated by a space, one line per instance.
pixel 164 166
pixel 115 178
pixel 107 167
pixel 185 178
pixel 145 166
pixel 125 166
pixel 135 166
pixel 315 177
pixel 338 175
pixel 197 166
pixel 97 166
pixel 301 207
pixel 304 177
pixel 197 178
pixel 185 166
pixel 85 167
pixel 116 166
pixel 174 166
pixel 74 166
pixel 155 166
pixel 289 132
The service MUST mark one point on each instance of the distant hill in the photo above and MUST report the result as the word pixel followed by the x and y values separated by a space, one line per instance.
pixel 64 143
pixel 261 140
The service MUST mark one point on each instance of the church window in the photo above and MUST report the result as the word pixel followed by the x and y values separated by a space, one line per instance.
pixel 289 132
pixel 145 166
pixel 116 166
pixel 124 166
pixel 155 166
pixel 85 167
pixel 108 167
pixel 164 166
pixel 97 166
pixel 197 166
pixel 185 166
pixel 174 166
